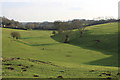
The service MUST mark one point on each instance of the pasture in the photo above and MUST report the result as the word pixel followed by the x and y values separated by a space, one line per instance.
pixel 36 54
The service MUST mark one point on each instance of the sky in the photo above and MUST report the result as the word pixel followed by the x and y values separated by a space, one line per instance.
pixel 52 10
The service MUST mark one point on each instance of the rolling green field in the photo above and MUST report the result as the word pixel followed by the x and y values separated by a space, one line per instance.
pixel 36 53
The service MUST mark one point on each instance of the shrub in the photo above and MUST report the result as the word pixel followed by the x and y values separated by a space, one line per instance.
pixel 54 32
pixel 15 35
pixel 66 39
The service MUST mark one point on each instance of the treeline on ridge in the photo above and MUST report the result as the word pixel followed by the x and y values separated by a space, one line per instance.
pixel 72 24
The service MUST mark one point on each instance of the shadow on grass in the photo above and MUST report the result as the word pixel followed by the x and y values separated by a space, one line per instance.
pixel 33 37
pixel 110 61
pixel 29 44
pixel 108 45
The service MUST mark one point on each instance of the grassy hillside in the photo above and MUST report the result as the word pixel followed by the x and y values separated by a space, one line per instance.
pixel 48 57
pixel 107 34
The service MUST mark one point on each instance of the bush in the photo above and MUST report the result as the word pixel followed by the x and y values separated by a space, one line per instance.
pixel 66 39
pixel 54 32
pixel 15 35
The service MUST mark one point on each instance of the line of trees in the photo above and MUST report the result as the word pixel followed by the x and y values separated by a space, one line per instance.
pixel 73 24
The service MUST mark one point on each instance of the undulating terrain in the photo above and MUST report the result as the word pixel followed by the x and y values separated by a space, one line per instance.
pixel 36 54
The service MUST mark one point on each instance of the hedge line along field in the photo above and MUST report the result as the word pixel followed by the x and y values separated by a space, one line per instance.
pixel 38 55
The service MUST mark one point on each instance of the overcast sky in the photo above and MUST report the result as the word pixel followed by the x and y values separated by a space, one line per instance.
pixel 51 10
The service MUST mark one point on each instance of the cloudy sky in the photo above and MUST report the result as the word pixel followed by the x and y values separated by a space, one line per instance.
pixel 51 10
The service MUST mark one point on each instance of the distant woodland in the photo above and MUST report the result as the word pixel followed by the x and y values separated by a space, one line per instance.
pixel 72 24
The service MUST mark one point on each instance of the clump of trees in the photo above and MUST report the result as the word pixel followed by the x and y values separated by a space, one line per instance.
pixel 15 35
pixel 6 23
pixel 64 29
pixel 30 26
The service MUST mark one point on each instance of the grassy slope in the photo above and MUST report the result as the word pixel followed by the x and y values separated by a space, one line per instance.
pixel 75 60
pixel 107 34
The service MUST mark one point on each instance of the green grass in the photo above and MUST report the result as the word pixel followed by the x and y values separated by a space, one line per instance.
pixel 76 59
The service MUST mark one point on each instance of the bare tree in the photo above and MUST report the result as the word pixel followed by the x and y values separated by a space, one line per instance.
pixel 58 26
pixel 63 30
pixel 79 25
pixel 81 31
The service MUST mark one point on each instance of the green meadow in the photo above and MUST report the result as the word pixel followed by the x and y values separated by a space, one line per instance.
pixel 36 53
